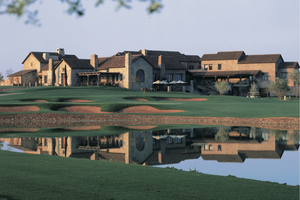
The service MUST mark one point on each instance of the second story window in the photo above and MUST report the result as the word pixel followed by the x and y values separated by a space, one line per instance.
pixel 219 66
pixel 169 77
pixel 178 77
pixel 210 67
pixel 205 67
pixel 191 66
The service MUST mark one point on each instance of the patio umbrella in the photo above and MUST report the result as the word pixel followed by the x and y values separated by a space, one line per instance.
pixel 180 82
pixel 160 82
pixel 173 82
pixel 160 137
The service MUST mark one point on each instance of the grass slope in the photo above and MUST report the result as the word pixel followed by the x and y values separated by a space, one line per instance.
pixel 25 176
pixel 113 99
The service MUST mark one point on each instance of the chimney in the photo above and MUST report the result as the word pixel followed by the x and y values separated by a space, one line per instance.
pixel 145 52
pixel 60 51
pixel 128 60
pixel 94 61
pixel 50 69
pixel 162 65
pixel 46 56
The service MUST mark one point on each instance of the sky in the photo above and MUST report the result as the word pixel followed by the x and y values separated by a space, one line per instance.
pixel 193 27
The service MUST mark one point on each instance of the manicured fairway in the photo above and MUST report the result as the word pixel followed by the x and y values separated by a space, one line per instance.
pixel 112 99
pixel 25 176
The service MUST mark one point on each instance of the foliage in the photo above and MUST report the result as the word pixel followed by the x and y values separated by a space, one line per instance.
pixel 266 86
pixel 279 87
pixel 134 80
pixel 222 135
pixel 1 77
pixel 19 8
pixel 294 76
pixel 222 86
pixel 9 72
pixel 294 137
pixel 253 88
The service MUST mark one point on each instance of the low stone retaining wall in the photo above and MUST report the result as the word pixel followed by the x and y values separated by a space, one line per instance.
pixel 39 120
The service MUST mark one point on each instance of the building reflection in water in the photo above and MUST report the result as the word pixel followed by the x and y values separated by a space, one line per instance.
pixel 170 146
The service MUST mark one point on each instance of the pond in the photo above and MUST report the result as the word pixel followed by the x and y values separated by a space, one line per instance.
pixel 246 152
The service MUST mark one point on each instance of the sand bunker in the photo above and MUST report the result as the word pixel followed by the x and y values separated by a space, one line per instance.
pixel 140 127
pixel 82 109
pixel 19 109
pixel 83 128
pixel 146 109
pixel 18 130
pixel 179 99
pixel 77 100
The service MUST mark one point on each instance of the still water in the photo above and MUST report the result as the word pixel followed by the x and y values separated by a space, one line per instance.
pixel 246 152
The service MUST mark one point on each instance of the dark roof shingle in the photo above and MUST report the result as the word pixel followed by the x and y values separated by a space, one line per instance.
pixel 22 72
pixel 226 55
pixel 267 58
pixel 40 58
pixel 294 65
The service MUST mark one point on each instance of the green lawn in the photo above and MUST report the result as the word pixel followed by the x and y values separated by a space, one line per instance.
pixel 25 176
pixel 113 99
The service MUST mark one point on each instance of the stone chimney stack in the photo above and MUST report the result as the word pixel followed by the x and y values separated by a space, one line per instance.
pixel 50 69
pixel 46 56
pixel 94 61
pixel 60 51
pixel 145 52
pixel 128 65
pixel 162 65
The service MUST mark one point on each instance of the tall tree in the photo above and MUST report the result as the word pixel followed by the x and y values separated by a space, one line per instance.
pixel 222 86
pixel 19 8
pixel 266 86
pixel 222 135
pixel 294 76
pixel 9 72
pixel 1 77
pixel 280 87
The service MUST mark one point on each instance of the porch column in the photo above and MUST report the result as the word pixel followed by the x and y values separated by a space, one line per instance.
pixel 97 79
pixel 227 78
pixel 107 76
pixel 87 141
pixel 88 80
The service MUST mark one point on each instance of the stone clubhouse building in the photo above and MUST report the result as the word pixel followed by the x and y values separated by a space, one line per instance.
pixel 139 69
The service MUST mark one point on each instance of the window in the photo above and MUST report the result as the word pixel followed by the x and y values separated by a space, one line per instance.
pixel 169 140
pixel 210 67
pixel 219 148
pixel 178 141
pixel 45 142
pixel 205 67
pixel 154 77
pixel 117 78
pixel 205 147
pixel 45 79
pixel 191 66
pixel 140 75
pixel 178 77
pixel 284 75
pixel 169 77
pixel 219 66
pixel 199 67
pixel 210 147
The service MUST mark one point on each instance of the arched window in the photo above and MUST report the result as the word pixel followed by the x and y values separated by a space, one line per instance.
pixel 140 75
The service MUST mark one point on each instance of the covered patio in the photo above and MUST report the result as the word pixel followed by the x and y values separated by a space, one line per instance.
pixel 99 78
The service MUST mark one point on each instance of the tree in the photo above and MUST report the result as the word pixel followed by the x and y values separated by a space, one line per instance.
pixel 279 87
pixel 134 80
pixel 294 76
pixel 222 86
pixel 19 8
pixel 253 88
pixel 9 72
pixel 266 86
pixel 222 135
pixel 1 77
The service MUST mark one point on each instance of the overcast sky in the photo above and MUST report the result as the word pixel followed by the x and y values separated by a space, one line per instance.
pixel 193 27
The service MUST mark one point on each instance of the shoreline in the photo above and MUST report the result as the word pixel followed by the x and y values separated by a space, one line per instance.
pixel 43 120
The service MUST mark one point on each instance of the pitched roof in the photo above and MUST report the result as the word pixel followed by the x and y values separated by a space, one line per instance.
pixel 223 73
pixel 193 58
pixel 22 72
pixel 40 58
pixel 47 66
pixel 294 65
pixel 77 64
pixel 223 158
pixel 177 54
pixel 267 58
pixel 226 55
pixel 170 62
pixel 117 61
